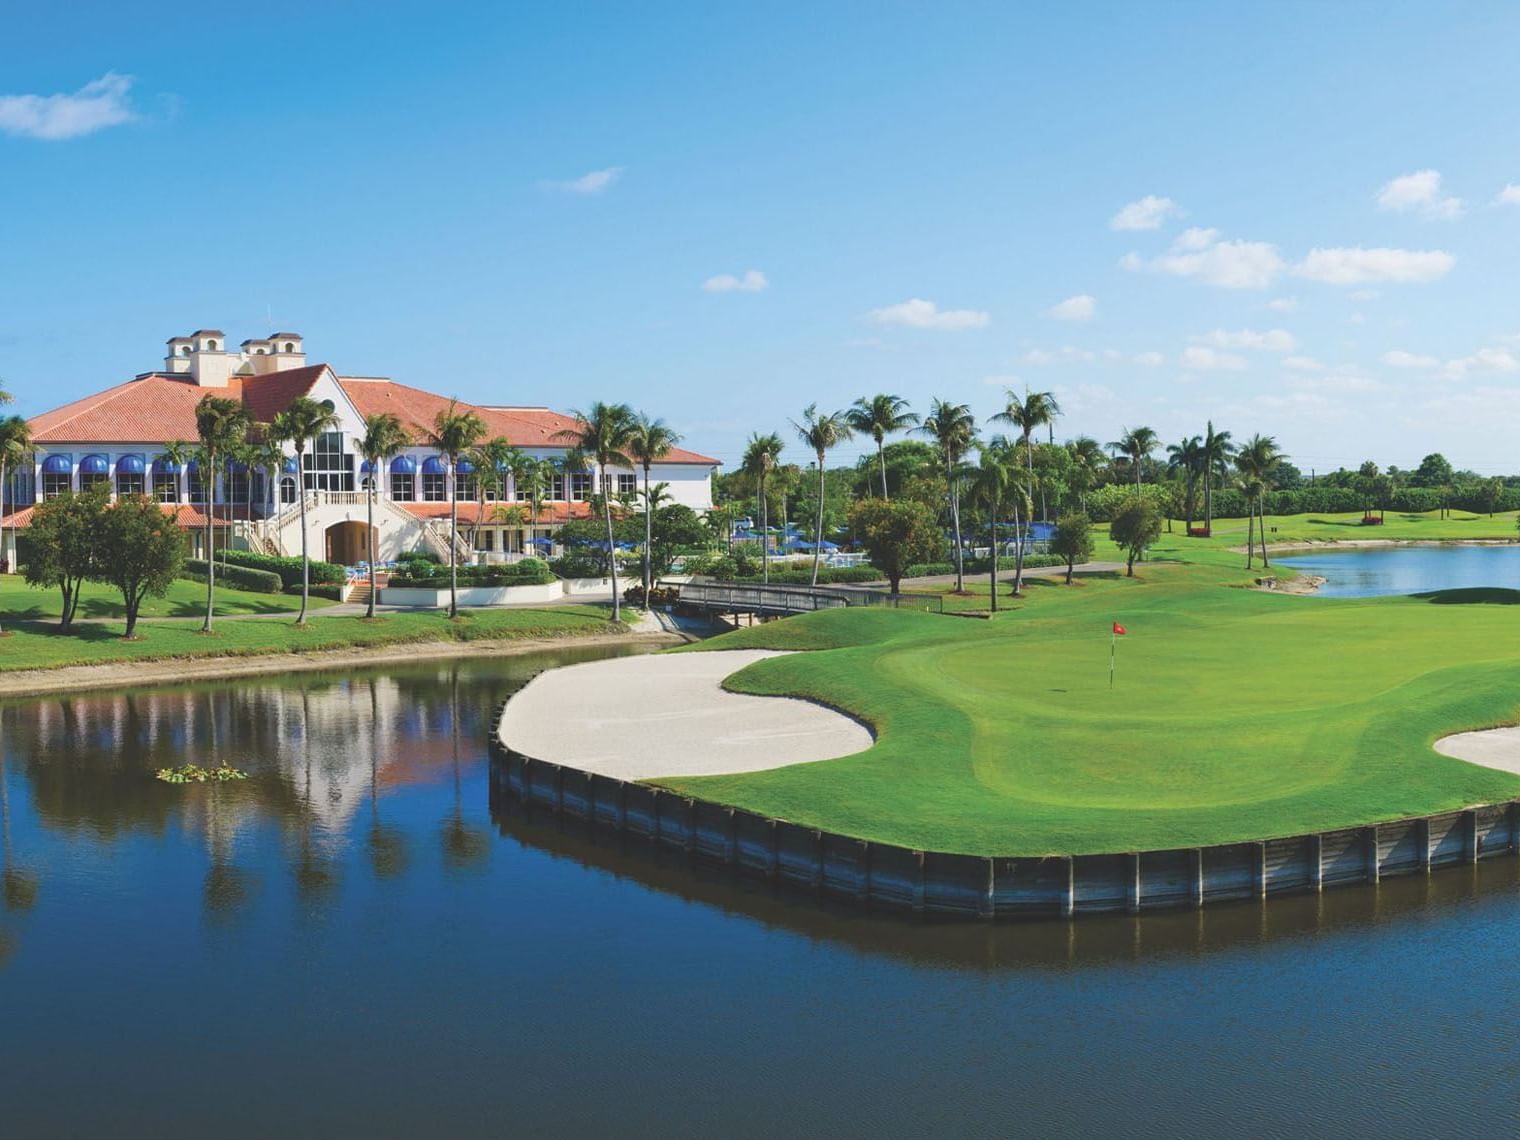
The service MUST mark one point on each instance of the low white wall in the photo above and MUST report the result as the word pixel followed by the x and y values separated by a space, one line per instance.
pixel 574 586
pixel 473 595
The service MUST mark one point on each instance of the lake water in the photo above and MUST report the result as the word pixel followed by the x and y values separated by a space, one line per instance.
pixel 1409 569
pixel 357 942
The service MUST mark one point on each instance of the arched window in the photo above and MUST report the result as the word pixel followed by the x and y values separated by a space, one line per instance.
pixel 184 350
pixel 211 345
pixel 131 475
pixel 290 346
pixel 287 490
pixel 93 469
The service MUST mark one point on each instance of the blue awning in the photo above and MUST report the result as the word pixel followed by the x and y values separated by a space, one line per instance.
pixel 130 465
pixel 364 467
pixel 57 465
pixel 465 467
pixel 162 466
pixel 192 467
pixel 290 466
pixel 403 465
pixel 433 465
pixel 94 465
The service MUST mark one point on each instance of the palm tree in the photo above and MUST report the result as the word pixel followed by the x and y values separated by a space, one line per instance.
pixel 991 483
pixel 1033 410
pixel 821 432
pixel 1217 450
pixel 648 441
pixel 604 433
pixel 383 438
pixel 953 428
pixel 1186 459
pixel 222 425
pixel 879 417
pixel 269 456
pixel 1137 444
pixel 454 433
pixel 300 423
pixel 492 460
pixel 761 457
pixel 532 477
pixel 15 447
pixel 1257 461
pixel 1087 461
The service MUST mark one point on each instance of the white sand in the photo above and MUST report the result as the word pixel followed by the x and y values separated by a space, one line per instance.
pixel 1491 748
pixel 642 717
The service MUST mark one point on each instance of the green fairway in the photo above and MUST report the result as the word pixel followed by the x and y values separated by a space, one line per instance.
pixel 38 647
pixel 1457 526
pixel 1237 714
pixel 20 602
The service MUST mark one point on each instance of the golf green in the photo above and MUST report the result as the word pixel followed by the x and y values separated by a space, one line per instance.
pixel 1236 714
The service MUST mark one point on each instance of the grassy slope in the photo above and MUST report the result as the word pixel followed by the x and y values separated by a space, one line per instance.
pixel 36 647
pixel 1237 714
pixel 20 602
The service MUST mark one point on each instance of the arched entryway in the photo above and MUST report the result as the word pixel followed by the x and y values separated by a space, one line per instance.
pixel 348 543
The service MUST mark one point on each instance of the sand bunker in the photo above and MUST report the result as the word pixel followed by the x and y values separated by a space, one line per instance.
pixel 1491 748
pixel 644 717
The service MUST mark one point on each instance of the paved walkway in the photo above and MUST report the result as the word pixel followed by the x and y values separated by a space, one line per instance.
pixel 642 717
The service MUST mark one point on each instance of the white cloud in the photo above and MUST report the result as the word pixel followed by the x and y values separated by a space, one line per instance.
pixel 1006 380
pixel 1358 266
pixel 1082 307
pixel 1283 304
pixel 1200 255
pixel 1398 358
pixel 1420 192
pixel 1146 214
pixel 1509 196
pixel 593 183
pixel 99 104
pixel 920 314
pixel 1064 355
pixel 753 281
pixel 1342 384
pixel 1201 359
pixel 1363 294
pixel 1273 340
pixel 1484 360
pixel 1149 359
pixel 1304 364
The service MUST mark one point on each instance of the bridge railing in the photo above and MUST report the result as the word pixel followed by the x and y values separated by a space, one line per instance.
pixel 754 597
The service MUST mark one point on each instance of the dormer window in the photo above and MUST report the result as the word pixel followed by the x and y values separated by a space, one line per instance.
pixel 184 350
pixel 290 346
pixel 211 346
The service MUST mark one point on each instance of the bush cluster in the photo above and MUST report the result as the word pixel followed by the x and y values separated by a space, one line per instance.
pixel 287 569
pixel 317 590
pixel 658 596
pixel 431 576
pixel 243 577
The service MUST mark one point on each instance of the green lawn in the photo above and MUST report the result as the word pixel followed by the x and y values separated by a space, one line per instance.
pixel 20 602
pixel 1237 715
pixel 1429 527
pixel 40 647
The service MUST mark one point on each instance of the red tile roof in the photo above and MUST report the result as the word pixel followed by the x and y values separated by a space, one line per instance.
pixel 550 514
pixel 521 427
pixel 158 407
pixel 185 516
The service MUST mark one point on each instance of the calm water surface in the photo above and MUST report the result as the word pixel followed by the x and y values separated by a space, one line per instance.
pixel 1409 569
pixel 357 942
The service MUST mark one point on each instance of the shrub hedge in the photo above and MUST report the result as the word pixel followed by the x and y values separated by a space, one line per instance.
pixel 426 576
pixel 243 577
pixel 318 590
pixel 288 569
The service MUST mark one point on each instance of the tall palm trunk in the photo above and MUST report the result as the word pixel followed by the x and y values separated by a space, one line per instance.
pixel 818 526
pixel 1018 553
pixel 1250 533
pixel 305 556
pixel 617 602
pixel 1262 515
pixel 955 522
pixel 648 537
pixel 210 485
pixel 765 535
pixel 1208 502
pixel 369 504
pixel 992 573
pixel 453 537
pixel 881 458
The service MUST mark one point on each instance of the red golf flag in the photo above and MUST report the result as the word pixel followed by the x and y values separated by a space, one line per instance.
pixel 1119 629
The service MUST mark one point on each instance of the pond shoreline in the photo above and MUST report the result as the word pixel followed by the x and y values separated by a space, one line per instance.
pixel 169 670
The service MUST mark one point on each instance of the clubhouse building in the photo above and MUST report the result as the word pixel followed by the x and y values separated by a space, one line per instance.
pixel 119 436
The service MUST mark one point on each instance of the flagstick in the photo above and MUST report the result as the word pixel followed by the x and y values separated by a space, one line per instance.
pixel 1113 642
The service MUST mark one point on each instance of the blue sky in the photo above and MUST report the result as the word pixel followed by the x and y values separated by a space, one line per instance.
pixel 544 204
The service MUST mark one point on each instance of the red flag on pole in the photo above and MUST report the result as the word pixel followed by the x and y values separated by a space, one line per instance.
pixel 1119 629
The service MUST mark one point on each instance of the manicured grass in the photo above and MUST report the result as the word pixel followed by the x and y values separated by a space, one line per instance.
pixel 37 647
pixel 1237 714
pixel 20 602
pixel 1429 527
